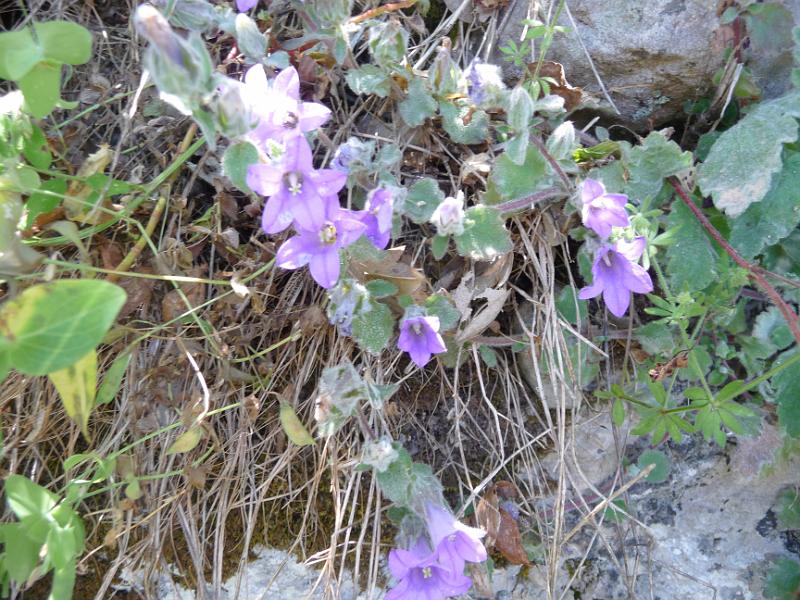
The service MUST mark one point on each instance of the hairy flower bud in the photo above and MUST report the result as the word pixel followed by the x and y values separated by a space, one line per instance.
pixel 449 215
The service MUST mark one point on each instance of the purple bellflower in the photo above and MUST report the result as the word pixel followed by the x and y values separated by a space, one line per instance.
pixel 295 189
pixel 602 211
pixel 484 82
pixel 319 248
pixel 615 274
pixel 421 577
pixel 281 113
pixel 449 215
pixel 245 5
pixel 377 217
pixel 455 542
pixel 419 336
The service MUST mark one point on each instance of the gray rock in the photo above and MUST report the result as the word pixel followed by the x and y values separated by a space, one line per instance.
pixel 651 56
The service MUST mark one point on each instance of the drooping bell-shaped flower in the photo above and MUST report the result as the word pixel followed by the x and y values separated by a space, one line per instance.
pixel 420 576
pixel 615 274
pixel 377 217
pixel 319 248
pixel 419 336
pixel 601 211
pixel 295 189
pixel 455 542
pixel 282 115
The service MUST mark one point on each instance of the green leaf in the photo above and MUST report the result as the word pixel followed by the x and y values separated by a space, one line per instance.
pixel 373 327
pixel 369 79
pixel 488 355
pixel 380 288
pixel 440 306
pixel 422 199
pixel 650 163
pixel 510 181
pixel 235 161
pixel 188 440
pixel 35 149
pixel 63 583
pixel 418 104
pixel 45 199
pixel 475 131
pixel 660 472
pixel 64 41
pixel 21 553
pixel 41 87
pixel 767 222
pixel 113 379
pixel 788 509
pixel 439 245
pixel 787 396
pixel 28 499
pixel 783 580
pixel 19 53
pixel 740 165
pixel 570 307
pixel 52 325
pixel 656 338
pixel 618 412
pixel 76 384
pixel 5 369
pixel 295 430
pixel 485 236
pixel 692 260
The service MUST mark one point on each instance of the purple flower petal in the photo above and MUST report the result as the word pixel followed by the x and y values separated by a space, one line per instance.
pixel 293 253
pixel 325 267
pixel 245 5
pixel 591 189
pixel 287 82
pixel 615 274
pixel 277 215
pixel 420 338
pixel 312 115
pixel 631 250
pixel 264 179
pixel 601 211
pixel 328 181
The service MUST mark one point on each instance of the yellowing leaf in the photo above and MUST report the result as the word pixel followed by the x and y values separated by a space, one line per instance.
pixel 186 441
pixel 76 204
pixel 76 385
pixel 294 429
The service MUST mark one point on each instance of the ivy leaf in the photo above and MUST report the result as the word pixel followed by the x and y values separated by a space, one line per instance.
pixel 373 327
pixel 27 499
pixel 462 124
pixel 422 199
pixel 418 104
pixel 485 236
pixel 767 222
pixel 510 181
pixel 52 325
pixel 692 260
pixel 739 168
pixel 650 163
pixel 369 79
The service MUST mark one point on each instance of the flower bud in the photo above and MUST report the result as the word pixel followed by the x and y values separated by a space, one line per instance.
pixel 449 215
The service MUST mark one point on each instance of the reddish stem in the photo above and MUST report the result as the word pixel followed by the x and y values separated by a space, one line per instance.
pixel 754 271
pixel 378 11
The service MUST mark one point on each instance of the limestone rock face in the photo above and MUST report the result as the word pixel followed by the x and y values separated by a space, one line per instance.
pixel 651 56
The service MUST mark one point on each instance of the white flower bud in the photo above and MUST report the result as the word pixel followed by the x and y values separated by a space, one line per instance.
pixel 449 215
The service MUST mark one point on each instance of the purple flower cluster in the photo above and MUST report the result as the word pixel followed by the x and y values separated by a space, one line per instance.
pixel 439 573
pixel 298 194
pixel 615 272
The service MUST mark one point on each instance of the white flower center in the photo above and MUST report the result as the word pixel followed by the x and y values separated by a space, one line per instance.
pixel 606 259
pixel 416 328
pixel 294 182
pixel 427 572
pixel 291 120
